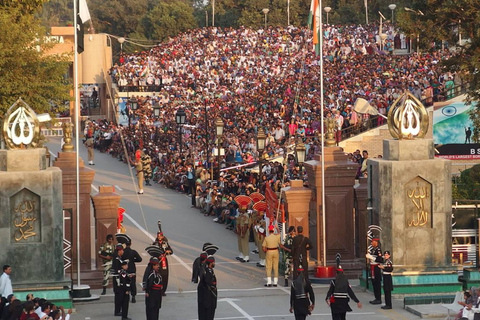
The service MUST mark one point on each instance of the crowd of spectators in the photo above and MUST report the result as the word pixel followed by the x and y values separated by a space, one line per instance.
pixel 12 308
pixel 267 78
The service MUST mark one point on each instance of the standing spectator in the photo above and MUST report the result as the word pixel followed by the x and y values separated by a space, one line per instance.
pixel 5 282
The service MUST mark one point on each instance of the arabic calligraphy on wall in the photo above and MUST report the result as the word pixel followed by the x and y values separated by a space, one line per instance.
pixel 25 213
pixel 418 203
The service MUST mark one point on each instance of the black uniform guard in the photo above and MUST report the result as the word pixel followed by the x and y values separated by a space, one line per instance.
pixel 116 268
pixel 133 257
pixel 122 293
pixel 376 258
pixel 162 242
pixel 197 267
pixel 301 294
pixel 300 246
pixel 387 268
pixel 337 296
pixel 153 291
pixel 207 292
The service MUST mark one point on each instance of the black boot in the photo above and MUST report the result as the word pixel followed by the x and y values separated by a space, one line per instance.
pixel 133 299
pixel 104 292
pixel 286 282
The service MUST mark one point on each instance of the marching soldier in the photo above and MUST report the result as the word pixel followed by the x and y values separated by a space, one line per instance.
pixel 243 234
pixel 162 242
pixel 89 143
pixel 139 168
pixel 153 290
pixel 270 246
pixel 122 293
pixel 376 258
pixel 207 292
pixel 302 297
pixel 198 266
pixel 387 268
pixel 116 268
pixel 106 253
pixel 147 169
pixel 133 257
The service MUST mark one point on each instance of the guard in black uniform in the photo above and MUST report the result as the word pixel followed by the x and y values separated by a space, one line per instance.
pixel 301 294
pixel 153 291
pixel 198 265
pixel 376 258
pixel 116 268
pixel 162 242
pixel 387 268
pixel 338 296
pixel 122 294
pixel 133 257
pixel 207 292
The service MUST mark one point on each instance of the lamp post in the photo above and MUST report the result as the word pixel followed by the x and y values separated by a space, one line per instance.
pixel 261 139
pixel 180 116
pixel 300 155
pixel 121 40
pixel 219 127
pixel 133 107
pixel 418 13
pixel 288 12
pixel 156 109
pixel 327 10
pixel 265 12
pixel 392 7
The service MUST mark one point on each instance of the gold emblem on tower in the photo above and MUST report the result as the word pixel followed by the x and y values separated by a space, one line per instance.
pixel 407 118
pixel 21 128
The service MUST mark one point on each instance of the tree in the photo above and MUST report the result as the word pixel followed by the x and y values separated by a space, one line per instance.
pixel 468 185
pixel 167 20
pixel 27 72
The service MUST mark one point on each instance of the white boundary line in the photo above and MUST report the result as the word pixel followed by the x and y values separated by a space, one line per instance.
pixel 237 307
pixel 186 266
pixel 94 188
pixel 118 188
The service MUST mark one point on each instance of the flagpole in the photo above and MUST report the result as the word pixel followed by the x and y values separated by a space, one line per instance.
pixel 77 114
pixel 324 220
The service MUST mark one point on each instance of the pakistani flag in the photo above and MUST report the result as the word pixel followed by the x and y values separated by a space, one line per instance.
pixel 83 16
pixel 314 24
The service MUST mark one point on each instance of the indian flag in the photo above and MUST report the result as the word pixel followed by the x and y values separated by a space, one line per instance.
pixel 314 24
pixel 144 72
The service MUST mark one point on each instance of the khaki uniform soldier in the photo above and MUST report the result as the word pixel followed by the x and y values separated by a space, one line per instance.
pixel 91 156
pixel 242 230
pixel 270 246
pixel 259 235
pixel 147 169
pixel 139 168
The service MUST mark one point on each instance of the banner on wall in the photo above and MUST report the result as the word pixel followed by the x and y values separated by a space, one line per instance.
pixel 453 132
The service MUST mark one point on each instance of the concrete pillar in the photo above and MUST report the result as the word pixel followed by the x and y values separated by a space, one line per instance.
pixel 339 181
pixel 105 208
pixel 297 200
pixel 66 161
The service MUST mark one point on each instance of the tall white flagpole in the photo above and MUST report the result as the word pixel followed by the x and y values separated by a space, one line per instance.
pixel 77 114
pixel 324 220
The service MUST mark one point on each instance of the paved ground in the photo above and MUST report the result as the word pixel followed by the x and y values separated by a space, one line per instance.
pixel 241 291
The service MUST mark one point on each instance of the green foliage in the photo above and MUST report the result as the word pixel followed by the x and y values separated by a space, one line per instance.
pixel 167 20
pixel 27 72
pixel 468 185
pixel 57 13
